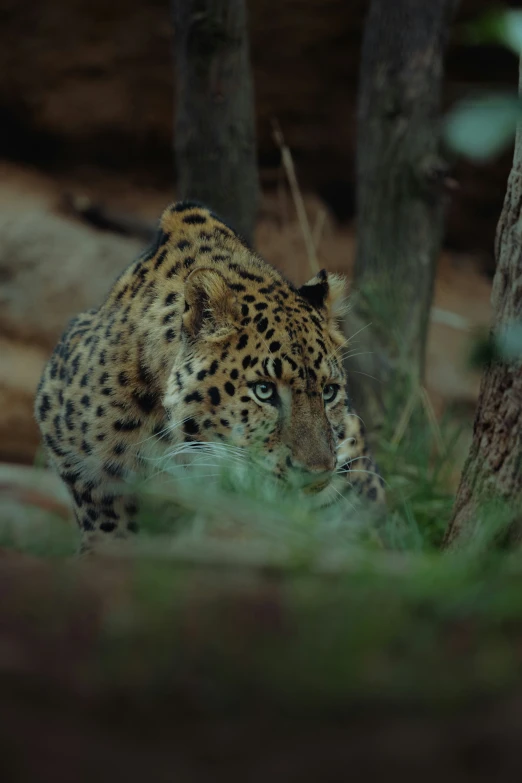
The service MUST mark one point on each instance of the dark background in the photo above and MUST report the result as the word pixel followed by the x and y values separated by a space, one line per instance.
pixel 87 82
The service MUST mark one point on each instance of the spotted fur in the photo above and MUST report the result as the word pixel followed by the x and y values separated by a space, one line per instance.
pixel 178 352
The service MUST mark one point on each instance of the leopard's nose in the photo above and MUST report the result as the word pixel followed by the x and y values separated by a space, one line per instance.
pixel 312 476
pixel 314 467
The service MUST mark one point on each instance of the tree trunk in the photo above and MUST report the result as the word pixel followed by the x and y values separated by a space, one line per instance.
pixel 494 466
pixel 400 193
pixel 215 121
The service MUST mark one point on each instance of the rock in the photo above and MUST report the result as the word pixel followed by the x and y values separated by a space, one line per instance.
pixel 50 269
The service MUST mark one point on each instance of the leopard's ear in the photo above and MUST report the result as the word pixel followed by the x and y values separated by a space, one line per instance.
pixel 210 306
pixel 325 291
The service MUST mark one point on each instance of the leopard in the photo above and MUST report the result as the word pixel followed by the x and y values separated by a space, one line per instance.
pixel 199 342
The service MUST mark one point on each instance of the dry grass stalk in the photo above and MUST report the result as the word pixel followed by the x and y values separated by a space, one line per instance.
pixel 404 420
pixel 288 165
pixel 419 393
pixel 319 227
pixel 432 418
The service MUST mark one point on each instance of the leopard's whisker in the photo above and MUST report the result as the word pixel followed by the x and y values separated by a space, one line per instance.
pixel 351 438
pixel 342 345
pixel 216 448
pixel 356 417
pixel 360 330
pixel 354 459
pixel 203 453
pixel 368 472
pixel 198 446
pixel 170 427
pixel 185 477
pixel 358 372
pixel 353 355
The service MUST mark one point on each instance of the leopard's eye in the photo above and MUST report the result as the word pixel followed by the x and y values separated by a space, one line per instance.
pixel 330 392
pixel 265 391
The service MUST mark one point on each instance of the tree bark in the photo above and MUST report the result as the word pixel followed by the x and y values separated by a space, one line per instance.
pixel 493 469
pixel 400 194
pixel 215 142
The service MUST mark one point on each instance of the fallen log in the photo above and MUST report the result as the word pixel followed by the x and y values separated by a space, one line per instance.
pixel 134 667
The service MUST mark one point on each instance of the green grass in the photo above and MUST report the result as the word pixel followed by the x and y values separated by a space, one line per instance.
pixel 234 502
pixel 252 591
pixel 239 509
pixel 47 536
pixel 418 471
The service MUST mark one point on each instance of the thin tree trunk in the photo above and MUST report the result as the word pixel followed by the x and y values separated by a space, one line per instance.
pixel 494 466
pixel 215 122
pixel 400 194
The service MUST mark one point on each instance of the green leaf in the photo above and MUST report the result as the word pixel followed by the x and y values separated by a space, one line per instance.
pixel 509 342
pixel 497 26
pixel 511 30
pixel 488 28
pixel 505 345
pixel 483 127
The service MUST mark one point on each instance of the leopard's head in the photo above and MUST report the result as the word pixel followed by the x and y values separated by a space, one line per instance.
pixel 260 369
